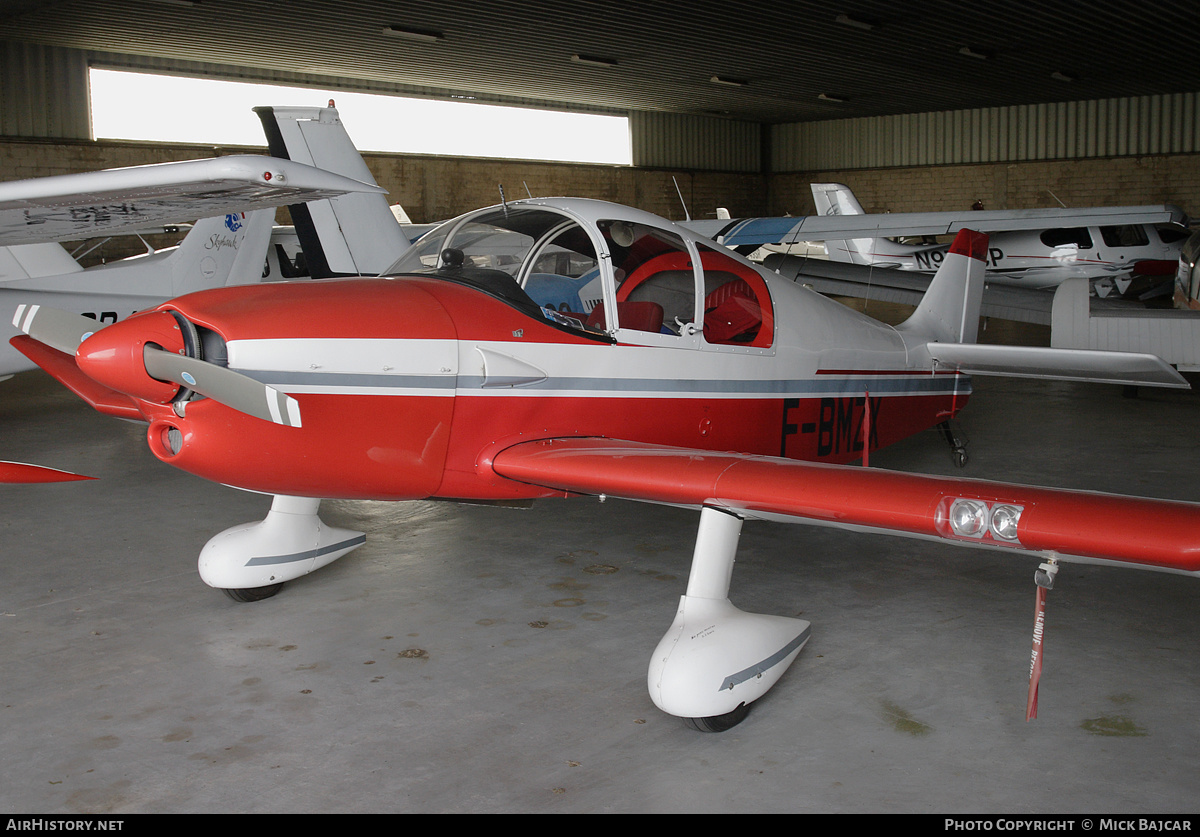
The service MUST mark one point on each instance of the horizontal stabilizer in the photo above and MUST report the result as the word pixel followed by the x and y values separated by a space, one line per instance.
pixel 1129 368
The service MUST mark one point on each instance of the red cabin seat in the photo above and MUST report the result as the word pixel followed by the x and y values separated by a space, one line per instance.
pixel 640 316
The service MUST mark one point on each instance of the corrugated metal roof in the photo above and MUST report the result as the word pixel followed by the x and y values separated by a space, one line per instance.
pixel 881 58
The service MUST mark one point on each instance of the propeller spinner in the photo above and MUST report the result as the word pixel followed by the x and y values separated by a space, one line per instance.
pixel 151 357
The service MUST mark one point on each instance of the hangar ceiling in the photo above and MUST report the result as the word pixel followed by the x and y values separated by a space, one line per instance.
pixel 763 62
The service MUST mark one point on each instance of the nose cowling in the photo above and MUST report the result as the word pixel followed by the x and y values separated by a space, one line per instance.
pixel 114 356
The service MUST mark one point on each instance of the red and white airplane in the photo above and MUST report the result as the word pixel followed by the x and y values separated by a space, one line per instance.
pixel 562 347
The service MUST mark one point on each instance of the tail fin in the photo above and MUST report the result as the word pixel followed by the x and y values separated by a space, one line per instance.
pixel 949 311
pixel 229 250
pixel 837 199
pixel 353 235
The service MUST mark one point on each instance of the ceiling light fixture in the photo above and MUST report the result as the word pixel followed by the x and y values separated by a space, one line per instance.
pixel 594 60
pixel 857 24
pixel 1057 76
pixel 970 53
pixel 426 36
pixel 730 82
pixel 825 97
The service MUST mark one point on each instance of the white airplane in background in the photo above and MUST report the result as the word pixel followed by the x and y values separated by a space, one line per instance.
pixel 228 249
pixel 1017 296
pixel 1106 246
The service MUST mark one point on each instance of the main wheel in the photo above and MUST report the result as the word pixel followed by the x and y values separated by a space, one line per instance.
pixel 252 594
pixel 720 723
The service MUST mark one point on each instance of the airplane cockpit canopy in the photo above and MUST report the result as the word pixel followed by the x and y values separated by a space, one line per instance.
pixel 537 259
pixel 547 263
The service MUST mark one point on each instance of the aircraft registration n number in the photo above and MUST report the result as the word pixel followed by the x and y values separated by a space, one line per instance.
pixel 932 259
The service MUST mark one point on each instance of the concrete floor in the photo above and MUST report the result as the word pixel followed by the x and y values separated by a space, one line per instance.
pixel 482 659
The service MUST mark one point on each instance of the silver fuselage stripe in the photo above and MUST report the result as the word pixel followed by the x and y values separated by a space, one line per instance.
pixel 449 385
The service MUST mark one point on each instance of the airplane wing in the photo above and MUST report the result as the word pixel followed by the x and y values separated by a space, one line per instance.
pixel 907 287
pixel 73 206
pixel 22 472
pixel 755 232
pixel 1026 305
pixel 1086 527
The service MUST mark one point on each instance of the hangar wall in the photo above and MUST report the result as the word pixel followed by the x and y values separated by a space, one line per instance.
pixel 1127 151
pixel 1110 181
pixel 1088 153
pixel 1129 127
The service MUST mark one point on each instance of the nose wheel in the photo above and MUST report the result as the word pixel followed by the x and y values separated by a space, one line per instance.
pixel 251 562
pixel 252 594
pixel 719 723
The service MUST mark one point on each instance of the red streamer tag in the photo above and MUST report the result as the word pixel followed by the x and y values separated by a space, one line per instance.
pixel 1035 660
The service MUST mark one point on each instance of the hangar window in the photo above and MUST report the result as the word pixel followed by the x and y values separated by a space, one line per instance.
pixel 217 112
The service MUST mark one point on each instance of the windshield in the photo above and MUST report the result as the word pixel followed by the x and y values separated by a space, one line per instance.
pixel 536 259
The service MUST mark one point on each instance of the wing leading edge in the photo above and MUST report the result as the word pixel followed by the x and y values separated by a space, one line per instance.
pixel 74 206
pixel 755 232
pixel 1073 525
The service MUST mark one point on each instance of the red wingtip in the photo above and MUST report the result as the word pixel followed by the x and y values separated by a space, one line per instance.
pixel 19 472
pixel 970 243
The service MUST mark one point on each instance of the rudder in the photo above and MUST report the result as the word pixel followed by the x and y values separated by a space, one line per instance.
pixel 949 311
pixel 352 235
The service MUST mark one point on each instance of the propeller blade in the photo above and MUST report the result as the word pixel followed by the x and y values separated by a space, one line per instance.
pixel 59 330
pixel 233 389
pixel 20 472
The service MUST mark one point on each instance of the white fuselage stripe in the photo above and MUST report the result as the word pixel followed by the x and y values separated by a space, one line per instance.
pixel 448 368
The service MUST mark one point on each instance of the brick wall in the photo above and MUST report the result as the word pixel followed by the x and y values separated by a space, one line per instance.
pixel 1117 181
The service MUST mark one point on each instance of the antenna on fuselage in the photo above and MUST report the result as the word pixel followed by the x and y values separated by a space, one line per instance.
pixel 526 185
pixel 687 216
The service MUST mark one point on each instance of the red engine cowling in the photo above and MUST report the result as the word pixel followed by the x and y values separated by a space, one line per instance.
pixel 343 350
